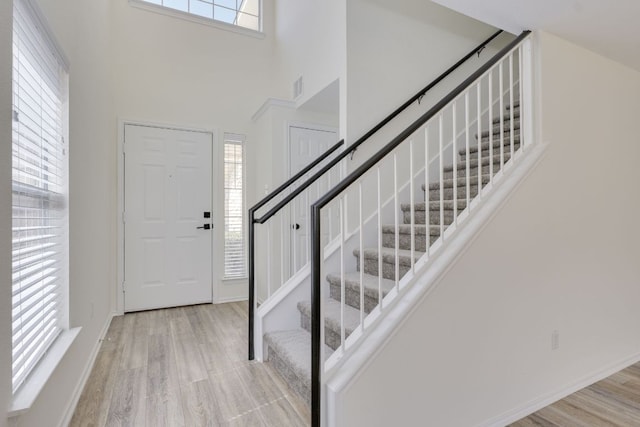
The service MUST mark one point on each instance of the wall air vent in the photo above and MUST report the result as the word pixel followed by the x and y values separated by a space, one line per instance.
pixel 297 87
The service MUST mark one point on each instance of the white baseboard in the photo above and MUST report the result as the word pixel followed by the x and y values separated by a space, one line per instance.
pixel 75 397
pixel 536 404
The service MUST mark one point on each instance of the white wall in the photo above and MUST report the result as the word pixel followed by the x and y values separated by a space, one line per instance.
pixel 561 254
pixel 394 49
pixel 171 71
pixel 6 60
pixel 82 29
pixel 311 42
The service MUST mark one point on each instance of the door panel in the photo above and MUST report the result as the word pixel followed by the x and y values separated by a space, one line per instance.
pixel 306 145
pixel 168 259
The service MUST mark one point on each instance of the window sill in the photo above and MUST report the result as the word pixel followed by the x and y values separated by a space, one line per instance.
pixel 31 388
pixel 235 279
pixel 195 18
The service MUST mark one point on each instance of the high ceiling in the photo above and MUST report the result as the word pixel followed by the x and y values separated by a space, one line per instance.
pixel 608 27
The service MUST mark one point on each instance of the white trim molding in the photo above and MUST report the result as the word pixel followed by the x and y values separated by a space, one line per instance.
pixel 163 10
pixel 33 385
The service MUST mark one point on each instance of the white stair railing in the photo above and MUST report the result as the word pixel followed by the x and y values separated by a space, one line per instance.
pixel 451 159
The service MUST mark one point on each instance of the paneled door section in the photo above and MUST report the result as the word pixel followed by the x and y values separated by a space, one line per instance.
pixel 306 145
pixel 167 217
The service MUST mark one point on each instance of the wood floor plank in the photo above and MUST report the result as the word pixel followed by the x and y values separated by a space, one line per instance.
pixel 164 405
pixel 128 401
pixel 578 413
pixel 232 397
pixel 614 401
pixel 93 406
pixel 232 335
pixel 629 396
pixel 609 409
pixel 557 416
pixel 280 413
pixel 114 338
pixel 199 403
pixel 262 387
pixel 250 419
pixel 158 322
pixel 191 367
pixel 134 351
pixel 164 413
pixel 533 421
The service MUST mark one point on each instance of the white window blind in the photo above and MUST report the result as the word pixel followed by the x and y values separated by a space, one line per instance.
pixel 234 244
pixel 39 202
pixel 242 13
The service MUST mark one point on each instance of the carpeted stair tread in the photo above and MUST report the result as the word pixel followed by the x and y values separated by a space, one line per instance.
pixel 370 283
pixel 422 206
pixel 488 154
pixel 495 135
pixel 507 117
pixel 473 163
pixel 389 255
pixel 352 289
pixel 331 320
pixel 460 182
pixel 293 348
pixel 420 229
pixel 496 130
pixel 506 141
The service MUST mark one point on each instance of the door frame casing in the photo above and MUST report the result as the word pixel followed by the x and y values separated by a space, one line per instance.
pixel 218 219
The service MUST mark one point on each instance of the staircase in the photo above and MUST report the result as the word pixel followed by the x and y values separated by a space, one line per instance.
pixel 289 351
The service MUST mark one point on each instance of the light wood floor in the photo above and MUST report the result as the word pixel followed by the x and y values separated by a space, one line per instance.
pixel 184 367
pixel 614 401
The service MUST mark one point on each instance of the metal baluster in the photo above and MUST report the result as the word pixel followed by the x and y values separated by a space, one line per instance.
pixel 511 115
pixel 306 207
pixel 490 130
pixel 427 196
pixel 380 237
pixel 293 241
pixel 441 170
pixel 501 77
pixel 479 137
pixel 282 233
pixel 395 213
pixel 466 131
pixel 521 103
pixel 411 208
pixel 342 278
pixel 361 227
pixel 269 259
pixel 455 165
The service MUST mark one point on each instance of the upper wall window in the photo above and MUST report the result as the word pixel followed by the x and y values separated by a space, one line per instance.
pixel 241 13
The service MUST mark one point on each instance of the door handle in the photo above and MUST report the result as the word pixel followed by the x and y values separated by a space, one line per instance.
pixel 296 226
pixel 205 226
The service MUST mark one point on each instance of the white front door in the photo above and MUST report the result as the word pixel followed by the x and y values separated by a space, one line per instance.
pixel 305 145
pixel 167 198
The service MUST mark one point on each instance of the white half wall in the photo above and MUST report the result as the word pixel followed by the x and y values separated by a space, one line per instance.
pixel 6 98
pixel 560 255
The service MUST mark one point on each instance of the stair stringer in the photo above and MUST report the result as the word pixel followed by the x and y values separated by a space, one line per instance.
pixel 280 311
pixel 344 369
